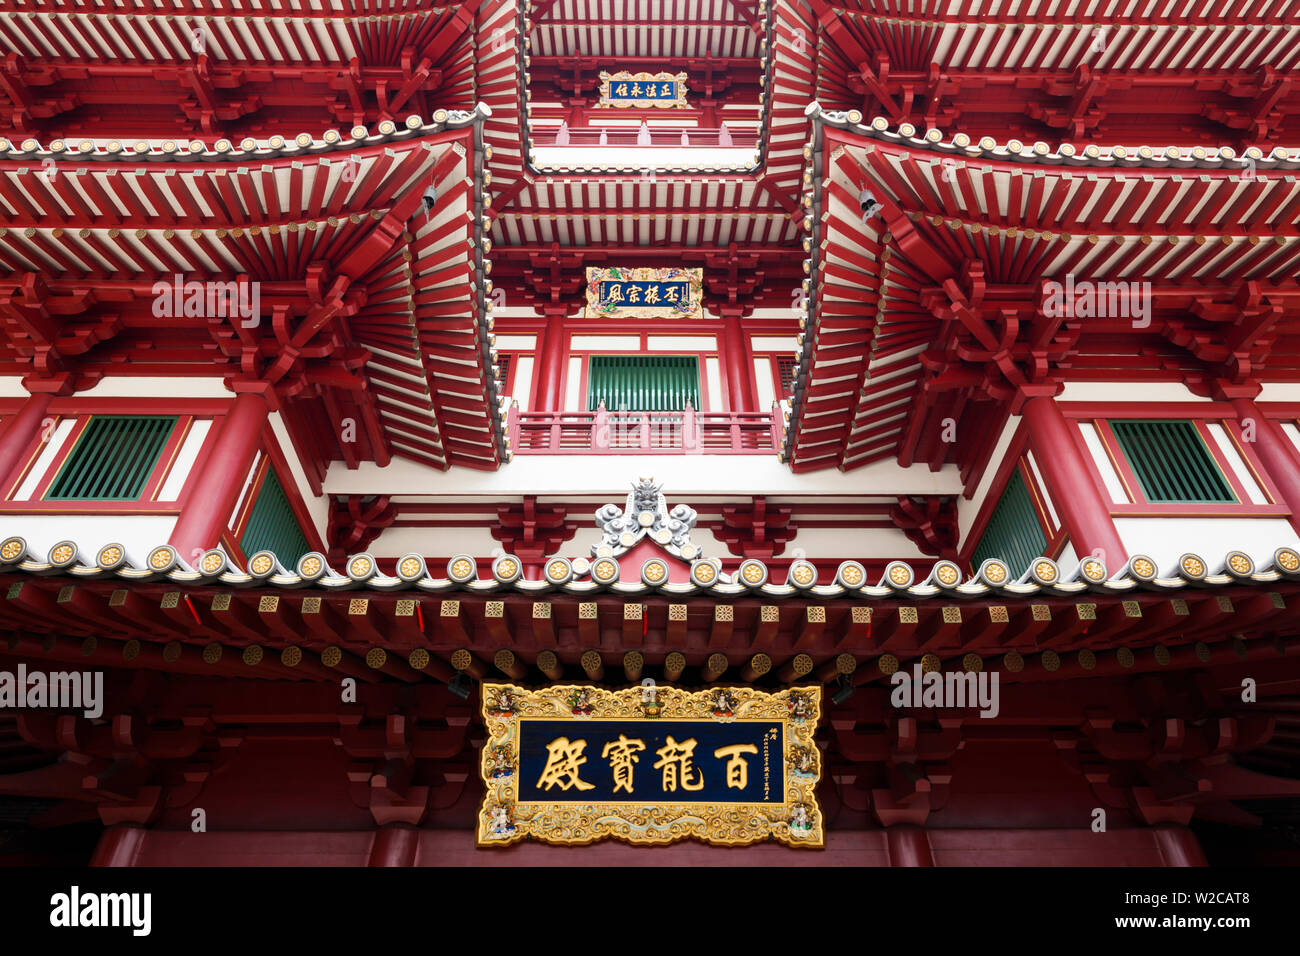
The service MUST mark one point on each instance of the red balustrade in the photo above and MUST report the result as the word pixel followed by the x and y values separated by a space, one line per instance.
pixel 644 433
pixel 654 136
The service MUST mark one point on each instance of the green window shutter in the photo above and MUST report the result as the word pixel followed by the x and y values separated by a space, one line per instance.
pixel 272 525
pixel 1013 534
pixel 1171 461
pixel 643 383
pixel 113 458
pixel 785 366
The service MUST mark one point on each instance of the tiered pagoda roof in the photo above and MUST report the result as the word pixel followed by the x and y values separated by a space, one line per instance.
pixel 362 288
pixel 934 299
pixel 216 68
pixel 1182 71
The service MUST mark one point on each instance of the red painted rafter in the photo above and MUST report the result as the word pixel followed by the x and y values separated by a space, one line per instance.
pixel 982 338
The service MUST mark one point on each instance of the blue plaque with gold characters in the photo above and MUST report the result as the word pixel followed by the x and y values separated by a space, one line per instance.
pixel 573 764
pixel 643 90
pixel 616 292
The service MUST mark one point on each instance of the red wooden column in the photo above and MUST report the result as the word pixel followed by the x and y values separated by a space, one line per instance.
pixel 395 844
pixel 551 354
pixel 1084 511
pixel 212 493
pixel 908 846
pixel 1275 451
pixel 1179 846
pixel 737 363
pixel 119 845
pixel 18 434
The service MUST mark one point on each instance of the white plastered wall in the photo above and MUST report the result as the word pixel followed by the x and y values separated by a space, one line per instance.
pixel 814 542
pixel 1166 539
pixel 139 534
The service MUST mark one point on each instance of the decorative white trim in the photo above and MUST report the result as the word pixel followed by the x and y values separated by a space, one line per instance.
pixel 1109 476
pixel 1132 392
pixel 47 455
pixel 1257 496
pixel 180 469
pixel 1043 490
pixel 516 343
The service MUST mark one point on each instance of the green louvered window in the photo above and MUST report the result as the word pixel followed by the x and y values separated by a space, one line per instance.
pixel 785 366
pixel 272 526
pixel 1013 534
pixel 113 458
pixel 643 383
pixel 1171 461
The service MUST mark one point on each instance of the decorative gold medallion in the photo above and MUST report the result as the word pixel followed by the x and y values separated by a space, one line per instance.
pixel 643 90
pixel 572 764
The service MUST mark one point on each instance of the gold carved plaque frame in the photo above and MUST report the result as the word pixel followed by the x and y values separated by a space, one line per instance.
pixel 505 819
pixel 634 83
pixel 604 281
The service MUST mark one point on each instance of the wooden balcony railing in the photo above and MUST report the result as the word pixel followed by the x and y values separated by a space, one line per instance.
pixel 652 136
pixel 644 433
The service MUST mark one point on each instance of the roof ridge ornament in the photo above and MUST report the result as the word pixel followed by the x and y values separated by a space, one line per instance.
pixel 645 514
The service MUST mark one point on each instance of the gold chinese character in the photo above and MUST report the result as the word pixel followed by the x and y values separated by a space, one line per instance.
pixel 670 293
pixel 636 89
pixel 615 294
pixel 621 90
pixel 667 90
pixel 622 754
pixel 633 293
pixel 675 759
pixel 652 295
pixel 562 763
pixel 737 766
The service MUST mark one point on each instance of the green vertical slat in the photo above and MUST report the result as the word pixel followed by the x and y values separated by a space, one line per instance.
pixel 272 525
pixel 1171 462
pixel 112 479
pixel 70 477
pixel 1185 473
pixel 1013 533
pixel 136 465
pixel 113 458
pixel 132 467
pixel 1179 474
pixel 643 383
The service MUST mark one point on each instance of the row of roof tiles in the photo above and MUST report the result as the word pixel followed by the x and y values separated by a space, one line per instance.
pixel 580 576
pixel 960 144
pixel 99 150
pixel 963 146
